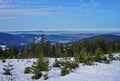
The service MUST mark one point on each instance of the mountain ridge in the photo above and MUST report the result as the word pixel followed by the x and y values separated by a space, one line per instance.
pixel 107 37
pixel 26 39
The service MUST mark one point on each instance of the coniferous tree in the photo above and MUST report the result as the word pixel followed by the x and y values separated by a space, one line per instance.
pixel 53 54
pixel 12 77
pixel 118 47
pixel 1 53
pixel 98 55
pixel 86 45
pixel 25 53
pixel 80 57
pixel 57 50
pixel 75 47
pixel 33 49
pixel 110 53
pixel 12 52
pixel 39 66
pixel 41 46
pixel 99 42
pixel 67 65
pixel 8 69
pixel 48 48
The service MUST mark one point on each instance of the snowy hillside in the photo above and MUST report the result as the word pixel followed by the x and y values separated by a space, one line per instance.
pixel 97 72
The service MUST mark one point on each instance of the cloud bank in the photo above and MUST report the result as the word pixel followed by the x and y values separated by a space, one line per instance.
pixel 36 8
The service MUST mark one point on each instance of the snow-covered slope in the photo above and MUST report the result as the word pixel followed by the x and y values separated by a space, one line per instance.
pixel 97 72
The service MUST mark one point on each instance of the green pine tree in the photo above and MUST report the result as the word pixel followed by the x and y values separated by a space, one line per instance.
pixel 8 69
pixel 39 66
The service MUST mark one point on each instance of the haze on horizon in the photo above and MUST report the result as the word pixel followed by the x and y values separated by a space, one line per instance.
pixel 67 15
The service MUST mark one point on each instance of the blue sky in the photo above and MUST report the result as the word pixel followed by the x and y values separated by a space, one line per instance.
pixel 50 15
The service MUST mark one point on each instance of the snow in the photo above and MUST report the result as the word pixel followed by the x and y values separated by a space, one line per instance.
pixel 97 72
pixel 3 47
pixel 22 43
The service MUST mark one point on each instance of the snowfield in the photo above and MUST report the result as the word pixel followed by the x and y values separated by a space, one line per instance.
pixel 97 72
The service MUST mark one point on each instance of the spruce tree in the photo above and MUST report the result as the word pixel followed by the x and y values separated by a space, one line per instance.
pixel 33 49
pixel 80 57
pixel 39 66
pixel 98 55
pixel 1 53
pixel 12 52
pixel 8 69
pixel 110 53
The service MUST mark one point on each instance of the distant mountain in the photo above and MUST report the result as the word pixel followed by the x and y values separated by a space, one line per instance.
pixel 29 37
pixel 55 32
pixel 107 37
pixel 25 32
pixel 9 39
pixel 25 37
pixel 54 38
pixel 21 38
pixel 65 38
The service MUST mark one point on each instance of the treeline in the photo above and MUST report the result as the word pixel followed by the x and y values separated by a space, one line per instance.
pixel 44 46
pixel 11 52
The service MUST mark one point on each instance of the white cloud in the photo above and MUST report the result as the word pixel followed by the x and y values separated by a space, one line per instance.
pixel 32 12
pixel 23 12
pixel 27 8
pixel 3 4
pixel 25 3
pixel 89 6
pixel 16 8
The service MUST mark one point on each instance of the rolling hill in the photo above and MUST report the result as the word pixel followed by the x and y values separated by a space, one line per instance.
pixel 9 39
pixel 25 38
pixel 107 37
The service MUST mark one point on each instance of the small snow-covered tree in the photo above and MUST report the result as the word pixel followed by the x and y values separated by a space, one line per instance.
pixel 8 70
pixel 12 77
